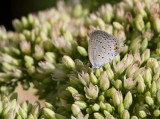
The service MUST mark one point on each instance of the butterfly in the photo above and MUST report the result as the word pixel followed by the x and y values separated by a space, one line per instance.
pixel 102 48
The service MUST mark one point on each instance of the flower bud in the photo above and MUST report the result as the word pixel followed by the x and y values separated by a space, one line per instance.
pixel 91 92
pixel 17 25
pixel 71 90
pixel 153 88
pixel 77 11
pixel 141 86
pixel 110 92
pixel 49 113
pixel 156 113
pixel 106 113
pixel 134 117
pixel 50 57
pixel 117 98
pixel 28 61
pixel 25 47
pixel 81 104
pixel 82 51
pixel 158 97
pixel 84 78
pixel 109 117
pixel 145 55
pixel 22 113
pixel 129 83
pixel 117 25
pixel 104 82
pixel 139 22
pixel 95 107
pixel 149 100
pixel 39 52
pixel 118 84
pixel 98 115
pixel 152 63
pixel 125 114
pixel 110 73
pixel 93 79
pixel 142 114
pixel 158 84
pixel 120 108
pixel 128 100
pixel 68 62
pixel 156 23
pixel 147 77
pixel 144 44
pixel 107 12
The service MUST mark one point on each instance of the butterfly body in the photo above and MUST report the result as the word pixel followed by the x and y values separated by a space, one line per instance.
pixel 102 48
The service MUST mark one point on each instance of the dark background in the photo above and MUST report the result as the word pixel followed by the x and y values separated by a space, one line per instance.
pixel 10 9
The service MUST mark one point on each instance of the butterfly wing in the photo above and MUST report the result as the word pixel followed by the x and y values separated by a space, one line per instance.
pixel 103 47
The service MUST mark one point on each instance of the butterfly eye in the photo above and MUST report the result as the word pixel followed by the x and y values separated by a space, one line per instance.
pixel 90 65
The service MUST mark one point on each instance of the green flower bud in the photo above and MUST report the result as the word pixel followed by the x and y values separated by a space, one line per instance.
pixel 117 98
pixel 24 22
pixel 142 114
pixel 22 113
pixel 75 110
pixel 104 82
pixel 152 63
pixel 93 79
pixel 95 107
pixel 134 117
pixel 100 23
pixel 132 68
pixel 84 78
pixel 149 100
pixel 106 113
pixel 129 83
pixel 147 77
pixel 11 114
pixel 98 115
pixel 17 25
pixel 110 92
pixel 91 92
pixel 120 108
pixel 117 25
pixel 109 28
pixel 119 12
pixel 128 100
pixel 68 62
pixel 125 114
pixel 141 86
pixel 7 67
pixel 109 117
pixel 81 104
pixel 77 11
pixel 101 98
pixel 47 44
pixel 30 116
pixel 107 13
pixel 145 55
pixel 25 47
pixel 89 110
pixel 71 90
pixel 158 97
pixel 109 108
pixel 153 88
pixel 118 84
pixel 82 51
pixel 50 57
pixel 110 73
pixel 49 113
pixel 156 22
pixel 156 113
pixel 28 61
pixel 158 84
pixel 158 51
pixel 139 22
pixel 144 44
pixel 39 52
